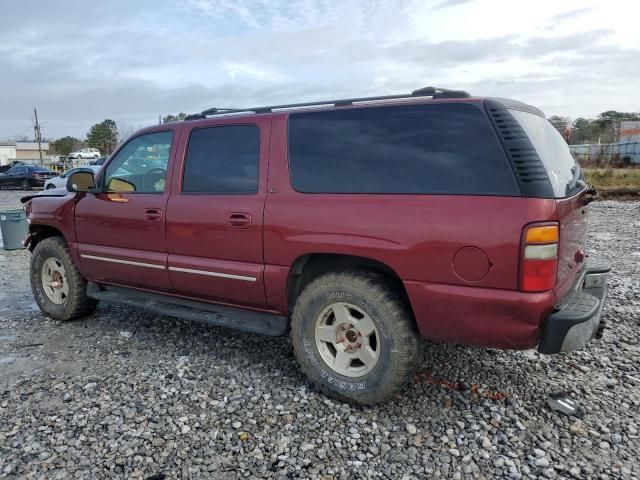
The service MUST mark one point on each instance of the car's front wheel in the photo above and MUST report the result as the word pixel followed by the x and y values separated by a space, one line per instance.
pixel 50 186
pixel 354 338
pixel 59 289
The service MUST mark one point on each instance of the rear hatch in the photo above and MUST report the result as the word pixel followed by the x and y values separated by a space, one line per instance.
pixel 568 184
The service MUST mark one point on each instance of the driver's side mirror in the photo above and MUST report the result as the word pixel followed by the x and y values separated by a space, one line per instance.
pixel 80 181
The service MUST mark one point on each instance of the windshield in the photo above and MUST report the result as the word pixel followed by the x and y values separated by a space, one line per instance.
pixel 564 173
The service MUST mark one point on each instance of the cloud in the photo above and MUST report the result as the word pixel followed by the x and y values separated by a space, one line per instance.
pixel 570 15
pixel 452 3
pixel 136 60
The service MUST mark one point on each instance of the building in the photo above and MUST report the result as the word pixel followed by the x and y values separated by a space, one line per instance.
pixel 29 150
pixel 630 131
pixel 7 152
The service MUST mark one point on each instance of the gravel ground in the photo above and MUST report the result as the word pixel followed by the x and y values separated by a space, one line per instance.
pixel 126 394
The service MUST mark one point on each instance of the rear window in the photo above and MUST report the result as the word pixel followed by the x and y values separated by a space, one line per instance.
pixel 565 174
pixel 408 149
pixel 40 169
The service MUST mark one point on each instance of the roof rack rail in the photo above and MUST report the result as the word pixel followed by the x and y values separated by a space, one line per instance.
pixel 434 92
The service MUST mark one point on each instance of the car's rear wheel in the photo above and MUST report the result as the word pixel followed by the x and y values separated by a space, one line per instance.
pixel 58 287
pixel 354 338
pixel 25 185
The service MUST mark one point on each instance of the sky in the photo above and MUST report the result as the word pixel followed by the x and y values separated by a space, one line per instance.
pixel 80 61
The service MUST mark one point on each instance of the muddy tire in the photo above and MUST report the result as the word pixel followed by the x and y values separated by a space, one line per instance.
pixel 354 338
pixel 59 289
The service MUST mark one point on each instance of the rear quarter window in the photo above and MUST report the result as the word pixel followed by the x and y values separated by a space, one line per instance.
pixel 565 174
pixel 407 149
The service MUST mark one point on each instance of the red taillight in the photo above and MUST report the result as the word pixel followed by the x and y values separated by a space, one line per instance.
pixel 538 275
pixel 539 262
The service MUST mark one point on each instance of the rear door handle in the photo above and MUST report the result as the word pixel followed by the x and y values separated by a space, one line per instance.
pixel 152 214
pixel 239 220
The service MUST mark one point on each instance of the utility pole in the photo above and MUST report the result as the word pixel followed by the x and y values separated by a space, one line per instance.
pixel 38 134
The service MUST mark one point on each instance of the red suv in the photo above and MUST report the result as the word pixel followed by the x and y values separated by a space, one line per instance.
pixel 357 226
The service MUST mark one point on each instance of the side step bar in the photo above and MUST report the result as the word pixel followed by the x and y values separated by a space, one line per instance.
pixel 217 315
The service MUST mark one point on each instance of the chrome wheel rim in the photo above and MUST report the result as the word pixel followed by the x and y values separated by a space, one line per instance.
pixel 347 339
pixel 54 281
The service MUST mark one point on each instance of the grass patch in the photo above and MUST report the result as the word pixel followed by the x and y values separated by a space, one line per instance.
pixel 613 177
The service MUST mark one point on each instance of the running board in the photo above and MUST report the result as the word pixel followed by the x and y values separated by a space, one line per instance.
pixel 217 315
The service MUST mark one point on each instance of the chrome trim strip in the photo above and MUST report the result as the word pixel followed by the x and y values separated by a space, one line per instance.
pixel 213 274
pixel 124 262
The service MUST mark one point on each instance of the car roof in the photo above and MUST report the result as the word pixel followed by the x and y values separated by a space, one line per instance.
pixel 447 96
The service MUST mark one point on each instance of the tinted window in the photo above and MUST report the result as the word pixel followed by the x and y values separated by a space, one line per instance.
pixel 141 165
pixel 39 169
pixel 223 160
pixel 563 170
pixel 447 148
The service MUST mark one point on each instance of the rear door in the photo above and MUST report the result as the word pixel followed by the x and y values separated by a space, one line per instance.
pixel 568 184
pixel 215 213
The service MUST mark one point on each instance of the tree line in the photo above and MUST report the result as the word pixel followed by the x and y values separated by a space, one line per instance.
pixel 104 136
pixel 602 129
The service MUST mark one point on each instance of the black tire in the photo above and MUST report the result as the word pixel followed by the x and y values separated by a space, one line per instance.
pixel 51 186
pixel 76 304
pixel 25 184
pixel 400 344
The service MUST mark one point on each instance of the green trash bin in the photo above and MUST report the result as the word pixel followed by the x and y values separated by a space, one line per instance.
pixel 14 228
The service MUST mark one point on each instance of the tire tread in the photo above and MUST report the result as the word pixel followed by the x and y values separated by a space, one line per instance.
pixel 78 304
pixel 407 357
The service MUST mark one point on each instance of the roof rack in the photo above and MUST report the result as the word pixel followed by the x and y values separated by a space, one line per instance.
pixel 434 92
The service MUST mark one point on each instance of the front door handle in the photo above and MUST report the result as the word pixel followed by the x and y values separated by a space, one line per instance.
pixel 239 220
pixel 152 214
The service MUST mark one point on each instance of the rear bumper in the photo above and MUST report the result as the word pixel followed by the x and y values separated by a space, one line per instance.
pixel 578 316
pixel 508 319
pixel 496 318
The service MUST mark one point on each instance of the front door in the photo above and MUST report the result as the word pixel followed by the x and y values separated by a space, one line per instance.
pixel 13 177
pixel 215 213
pixel 121 230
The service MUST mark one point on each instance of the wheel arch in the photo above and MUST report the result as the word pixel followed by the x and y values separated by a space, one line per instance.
pixel 39 232
pixel 309 266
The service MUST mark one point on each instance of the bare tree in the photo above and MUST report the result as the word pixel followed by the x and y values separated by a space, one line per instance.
pixel 124 131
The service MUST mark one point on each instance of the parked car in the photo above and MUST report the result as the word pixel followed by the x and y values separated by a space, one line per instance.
pixel 61 180
pixel 25 176
pixel 98 161
pixel 357 226
pixel 4 168
pixel 85 153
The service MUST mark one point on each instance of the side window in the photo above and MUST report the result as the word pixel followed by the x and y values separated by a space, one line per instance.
pixel 21 170
pixel 141 165
pixel 222 160
pixel 408 149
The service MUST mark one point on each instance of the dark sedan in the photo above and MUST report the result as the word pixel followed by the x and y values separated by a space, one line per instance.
pixel 26 176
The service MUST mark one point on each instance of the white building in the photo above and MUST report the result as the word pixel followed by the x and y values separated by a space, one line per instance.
pixel 7 153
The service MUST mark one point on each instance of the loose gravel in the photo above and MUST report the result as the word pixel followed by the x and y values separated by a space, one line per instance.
pixel 127 394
